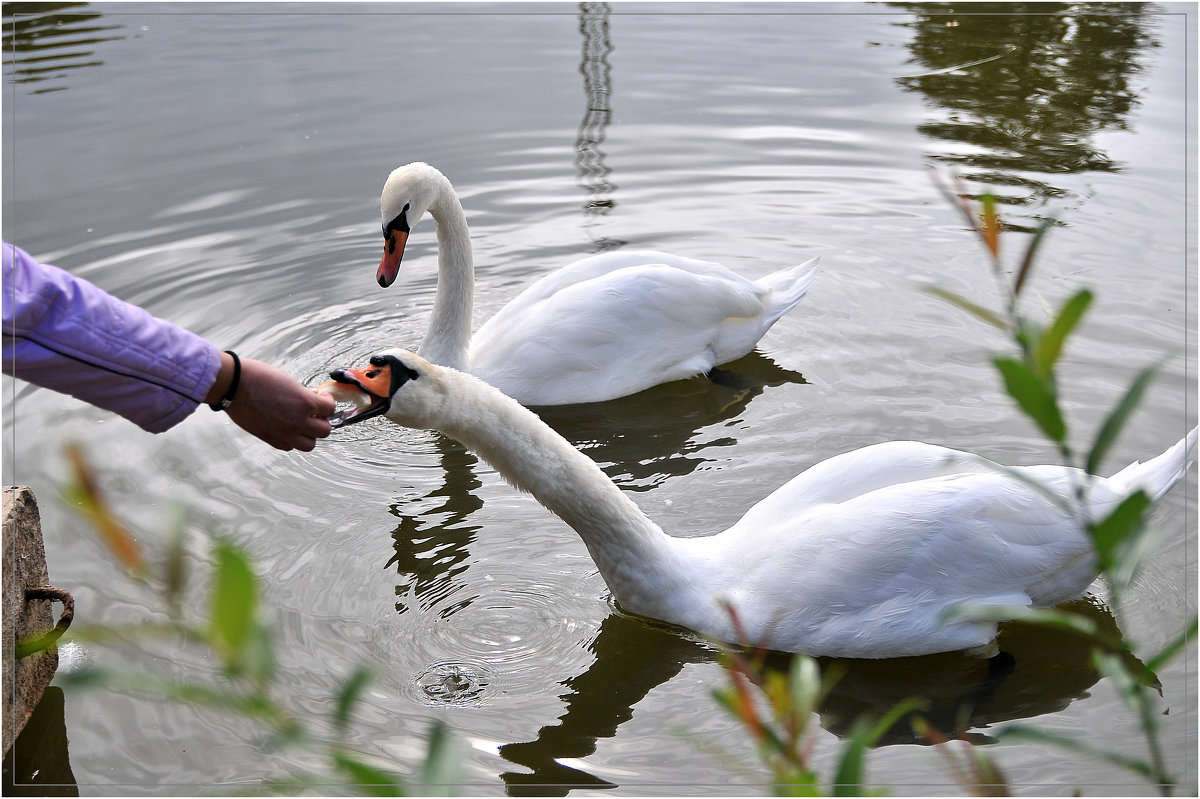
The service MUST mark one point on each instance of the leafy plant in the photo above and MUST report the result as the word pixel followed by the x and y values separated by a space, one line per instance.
pixel 782 734
pixel 1121 539
pixel 235 635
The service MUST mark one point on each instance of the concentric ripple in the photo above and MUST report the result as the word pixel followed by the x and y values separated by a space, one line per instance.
pixel 495 644
pixel 454 684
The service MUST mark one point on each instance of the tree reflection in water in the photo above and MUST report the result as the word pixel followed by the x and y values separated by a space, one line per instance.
pixel 1065 73
pixel 43 42
pixel 594 173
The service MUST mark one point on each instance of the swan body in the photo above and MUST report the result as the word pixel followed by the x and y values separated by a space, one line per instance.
pixel 602 327
pixel 859 556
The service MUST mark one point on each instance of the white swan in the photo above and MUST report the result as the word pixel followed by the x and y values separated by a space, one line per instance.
pixel 856 557
pixel 603 327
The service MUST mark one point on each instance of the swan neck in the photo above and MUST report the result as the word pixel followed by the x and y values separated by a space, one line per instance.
pixel 635 558
pixel 449 335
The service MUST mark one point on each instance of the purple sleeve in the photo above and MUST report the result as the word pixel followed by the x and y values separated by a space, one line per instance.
pixel 64 333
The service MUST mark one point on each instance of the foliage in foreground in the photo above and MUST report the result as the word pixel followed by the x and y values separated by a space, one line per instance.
pixel 233 634
pixel 1122 540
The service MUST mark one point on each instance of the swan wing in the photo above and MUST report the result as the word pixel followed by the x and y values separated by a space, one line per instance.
pixel 861 471
pixel 871 576
pixel 600 264
pixel 600 333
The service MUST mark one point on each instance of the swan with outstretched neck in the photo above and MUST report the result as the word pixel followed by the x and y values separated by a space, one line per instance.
pixel 859 556
pixel 602 327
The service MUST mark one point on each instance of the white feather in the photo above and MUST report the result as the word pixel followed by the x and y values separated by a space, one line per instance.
pixel 602 327
pixel 859 556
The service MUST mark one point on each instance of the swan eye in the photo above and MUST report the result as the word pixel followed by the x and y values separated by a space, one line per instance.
pixel 399 223
pixel 399 372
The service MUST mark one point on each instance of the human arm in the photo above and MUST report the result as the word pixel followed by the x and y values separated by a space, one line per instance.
pixel 64 333
pixel 270 404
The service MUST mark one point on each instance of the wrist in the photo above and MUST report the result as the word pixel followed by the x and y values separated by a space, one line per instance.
pixel 224 388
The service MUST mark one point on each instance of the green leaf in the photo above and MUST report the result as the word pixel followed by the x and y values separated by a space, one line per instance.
pixel 1133 553
pixel 258 655
pixel 1027 262
pixel 253 706
pixel 1051 495
pixel 1172 649
pixel 1034 735
pixel 798 781
pixel 175 567
pixel 233 606
pixel 370 780
pixel 805 685
pixel 1111 533
pixel 442 768
pixel 1046 617
pixel 991 317
pixel 1034 396
pixel 864 735
pixel 1116 420
pixel 1050 344
pixel 348 696
pixel 969 611
pixel 849 777
pixel 1135 693
pixel 990 225
pixel 1127 684
pixel 85 677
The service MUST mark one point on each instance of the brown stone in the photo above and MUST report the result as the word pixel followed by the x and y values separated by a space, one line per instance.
pixel 25 679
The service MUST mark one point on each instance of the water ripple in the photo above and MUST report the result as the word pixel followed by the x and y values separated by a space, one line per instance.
pixel 495 645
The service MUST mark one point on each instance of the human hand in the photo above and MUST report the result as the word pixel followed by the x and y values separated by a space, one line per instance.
pixel 272 405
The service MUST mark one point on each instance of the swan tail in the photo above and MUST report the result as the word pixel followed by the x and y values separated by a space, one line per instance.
pixel 787 287
pixel 1157 475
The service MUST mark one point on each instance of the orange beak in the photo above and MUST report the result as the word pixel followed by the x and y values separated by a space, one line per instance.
pixel 369 389
pixel 393 251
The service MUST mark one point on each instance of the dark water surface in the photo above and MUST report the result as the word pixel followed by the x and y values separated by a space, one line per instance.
pixel 221 165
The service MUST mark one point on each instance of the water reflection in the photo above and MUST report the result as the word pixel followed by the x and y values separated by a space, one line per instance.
pixel 1048 670
pixel 45 41
pixel 597 86
pixel 644 439
pixel 432 544
pixel 631 659
pixel 39 763
pixel 1064 74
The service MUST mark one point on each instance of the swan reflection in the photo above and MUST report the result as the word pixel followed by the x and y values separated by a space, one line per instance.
pixel 642 440
pixel 431 544
pixel 1046 671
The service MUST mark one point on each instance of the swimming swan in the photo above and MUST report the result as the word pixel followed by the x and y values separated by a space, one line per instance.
pixel 603 327
pixel 856 557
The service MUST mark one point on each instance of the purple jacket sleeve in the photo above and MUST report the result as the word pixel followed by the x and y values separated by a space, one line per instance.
pixel 64 333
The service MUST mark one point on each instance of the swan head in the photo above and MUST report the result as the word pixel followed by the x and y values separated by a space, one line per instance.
pixel 396 383
pixel 408 194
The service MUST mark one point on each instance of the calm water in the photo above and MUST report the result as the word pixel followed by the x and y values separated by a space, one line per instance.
pixel 221 165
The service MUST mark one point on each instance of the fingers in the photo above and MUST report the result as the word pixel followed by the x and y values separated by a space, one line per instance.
pixel 275 407
pixel 301 443
pixel 325 404
pixel 301 432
